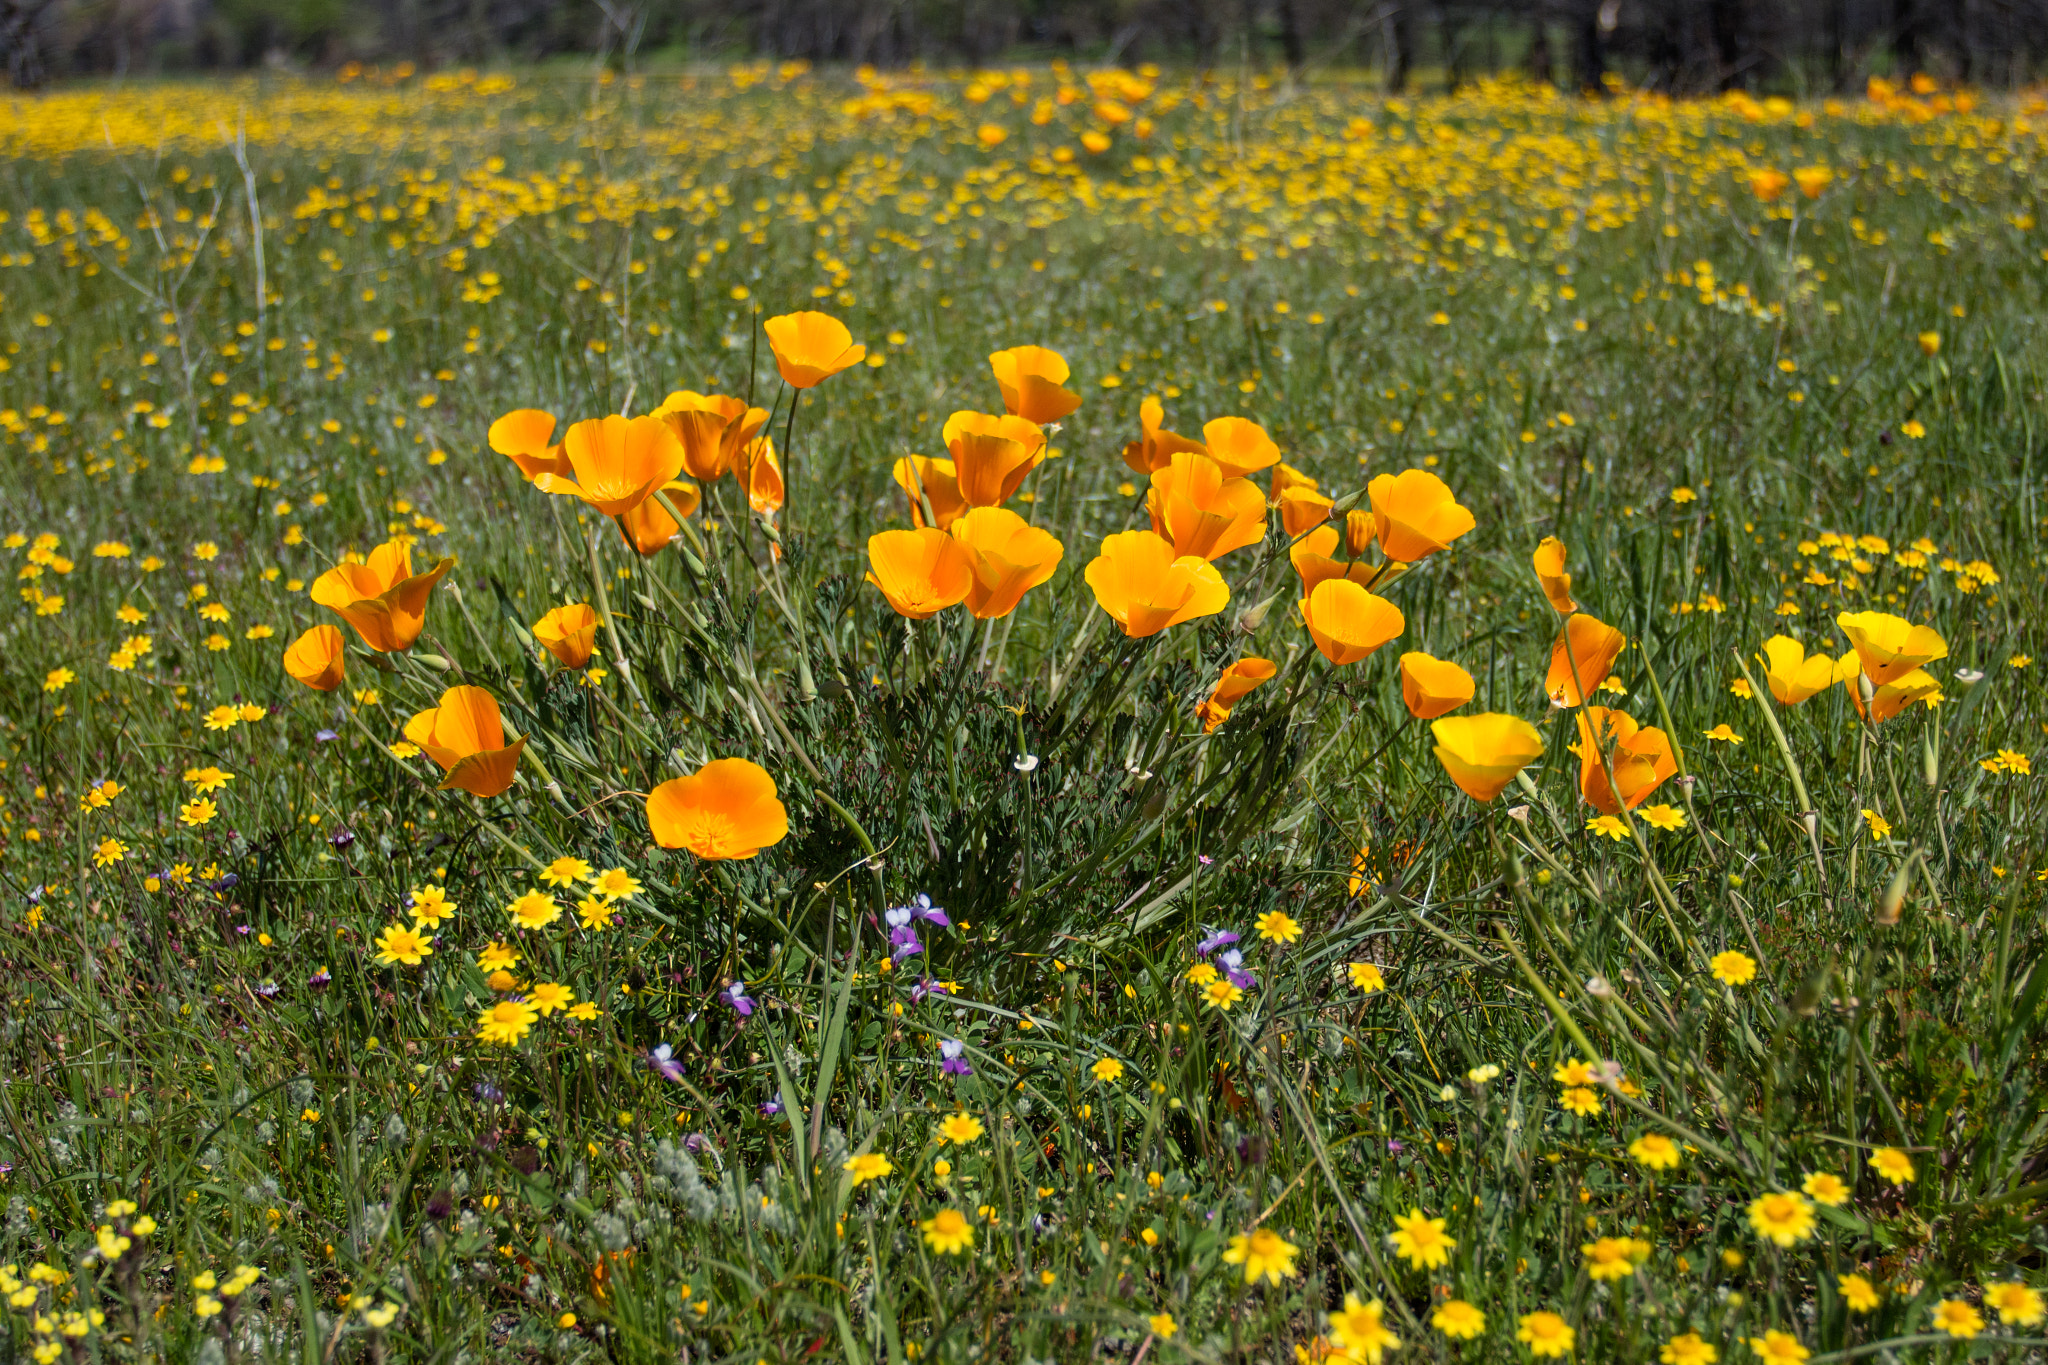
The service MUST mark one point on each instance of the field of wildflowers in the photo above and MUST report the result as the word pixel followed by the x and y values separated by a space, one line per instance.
pixel 1022 715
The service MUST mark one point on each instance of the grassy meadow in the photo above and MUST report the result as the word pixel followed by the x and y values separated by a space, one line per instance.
pixel 1510 837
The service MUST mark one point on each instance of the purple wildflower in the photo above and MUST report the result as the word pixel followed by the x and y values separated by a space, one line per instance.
pixel 663 1059
pixel 1233 968
pixel 736 996
pixel 325 736
pixel 320 979
pixel 928 987
pixel 953 1059
pixel 1221 938
pixel 341 839
pixel 772 1106
pixel 903 942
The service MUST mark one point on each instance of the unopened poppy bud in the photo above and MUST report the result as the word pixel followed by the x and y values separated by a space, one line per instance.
pixel 1253 617
pixel 1600 988
pixel 433 661
pixel 1894 896
pixel 1358 531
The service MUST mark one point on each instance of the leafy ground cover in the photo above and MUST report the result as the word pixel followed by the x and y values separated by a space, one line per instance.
pixel 599 765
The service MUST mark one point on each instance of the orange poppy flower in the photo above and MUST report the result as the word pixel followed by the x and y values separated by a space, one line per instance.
pixel 1030 378
pixel 1585 649
pixel 569 633
pixel 615 462
pixel 1431 687
pixel 465 735
pixel 648 528
pixel 522 437
pixel 1415 514
pixel 1641 756
pixel 1888 699
pixel 761 475
pixel 1767 184
pixel 1303 508
pixel 1314 558
pixel 941 488
pixel 381 597
pixel 315 658
pixel 811 347
pixel 1237 682
pixel 991 455
pixel 1360 530
pixel 1240 445
pixel 1008 558
pixel 1151 451
pixel 1145 587
pixel 1813 180
pixel 1890 646
pixel 1483 753
pixel 921 572
pixel 725 810
pixel 1550 574
pixel 1347 622
pixel 1286 477
pixel 711 429
pixel 1793 675
pixel 1203 512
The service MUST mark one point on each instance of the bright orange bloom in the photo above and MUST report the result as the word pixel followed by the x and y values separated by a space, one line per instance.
pixel 1158 445
pixel 1237 682
pixel 1140 582
pixel 991 455
pixel 569 633
pixel 1347 622
pixel 1201 511
pixel 381 597
pixel 1793 675
pixel 1030 378
pixel 315 658
pixel 1550 573
pixel 1416 514
pixel 466 737
pixel 1888 699
pixel 1285 478
pixel 1008 558
pixel 522 437
pixel 921 572
pixel 1641 756
pixel 941 488
pixel 1360 530
pixel 1586 648
pixel 1483 753
pixel 648 528
pixel 1431 687
pixel 616 463
pixel 811 347
pixel 760 474
pixel 1240 445
pixel 1813 180
pixel 725 810
pixel 1313 557
pixel 1768 184
pixel 1890 646
pixel 711 428
pixel 1303 509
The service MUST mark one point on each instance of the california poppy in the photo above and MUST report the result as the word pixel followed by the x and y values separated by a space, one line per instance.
pixel 616 463
pixel 1031 378
pixel 760 475
pixel 1201 511
pixel 1157 445
pixel 381 597
pixel 1890 646
pixel 1145 587
pixel 711 429
pixel 1302 509
pixel 1416 514
pixel 1286 477
pixel 1239 445
pixel 1586 648
pixel 1641 756
pixel 648 528
pixel 523 437
pixel 727 809
pixel 811 347
pixel 1767 184
pixel 315 658
pixel 1233 686
pixel 941 488
pixel 1889 698
pixel 1347 622
pixel 1008 557
pixel 921 572
pixel 466 737
pixel 1360 530
pixel 569 633
pixel 1548 562
pixel 1483 753
pixel 1794 675
pixel 991 455
pixel 1431 687
pixel 1314 558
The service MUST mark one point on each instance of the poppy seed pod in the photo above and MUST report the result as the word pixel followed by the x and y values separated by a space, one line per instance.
pixel 315 658
pixel 811 347
pixel 1431 687
pixel 1031 378
pixel 1347 622
pixel 466 737
pixel 921 572
pixel 726 810
pixel 381 597
pixel 1483 753
pixel 1145 587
